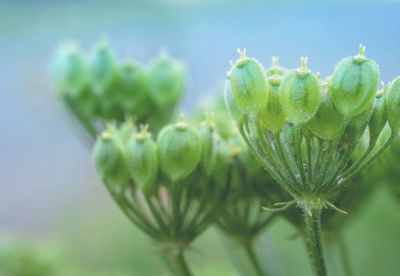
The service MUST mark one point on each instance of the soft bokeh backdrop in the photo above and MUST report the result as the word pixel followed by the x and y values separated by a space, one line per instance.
pixel 50 197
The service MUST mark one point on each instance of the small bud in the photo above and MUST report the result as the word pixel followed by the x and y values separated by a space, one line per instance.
pixel 354 84
pixel 327 121
pixel 378 118
pixel 300 94
pixel 166 80
pixel 249 86
pixel 102 67
pixel 272 116
pixel 180 149
pixel 393 105
pixel 69 70
pixel 142 160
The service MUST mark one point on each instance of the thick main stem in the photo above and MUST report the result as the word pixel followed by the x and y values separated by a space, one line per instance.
pixel 177 260
pixel 314 241
pixel 249 249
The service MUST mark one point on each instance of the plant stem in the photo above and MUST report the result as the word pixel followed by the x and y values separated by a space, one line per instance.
pixel 177 260
pixel 314 241
pixel 249 249
pixel 344 256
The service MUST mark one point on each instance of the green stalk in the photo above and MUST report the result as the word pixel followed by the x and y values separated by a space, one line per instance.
pixel 344 254
pixel 314 241
pixel 178 262
pixel 249 250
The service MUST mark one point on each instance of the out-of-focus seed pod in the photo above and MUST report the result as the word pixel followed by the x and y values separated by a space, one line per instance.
pixel 300 94
pixel 166 80
pixel 208 140
pixel 126 130
pixel 248 83
pixel 393 105
pixel 142 160
pixel 109 160
pixel 275 68
pixel 223 163
pixel 378 118
pixel 272 116
pixel 69 70
pixel 354 84
pixel 102 67
pixel 327 122
pixel 233 109
pixel 179 149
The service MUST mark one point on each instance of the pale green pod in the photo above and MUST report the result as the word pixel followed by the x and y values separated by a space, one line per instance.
pixel 69 71
pixel 142 160
pixel 232 107
pixel 300 94
pixel 208 140
pixel 272 116
pixel 393 105
pixel 360 121
pixel 354 84
pixel 327 122
pixel 275 68
pixel 378 118
pixel 249 85
pixel 102 67
pixel 166 80
pixel 179 150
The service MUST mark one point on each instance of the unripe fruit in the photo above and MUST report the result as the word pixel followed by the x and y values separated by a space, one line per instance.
pixel 142 160
pixel 208 140
pixel 300 94
pixel 166 80
pixel 233 109
pixel 360 121
pixel 102 67
pixel 275 68
pixel 108 158
pixel 179 149
pixel 354 84
pixel 393 105
pixel 272 116
pixel 379 117
pixel 249 85
pixel 327 122
pixel 69 71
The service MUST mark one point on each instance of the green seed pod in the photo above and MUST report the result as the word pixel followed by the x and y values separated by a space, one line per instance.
pixel 69 71
pixel 166 80
pixel 378 118
pixel 102 67
pixel 360 121
pixel 180 149
pixel 354 84
pixel 275 68
pixel 142 160
pixel 327 121
pixel 208 141
pixel 272 116
pixel 249 86
pixel 233 109
pixel 108 158
pixel 393 105
pixel 300 94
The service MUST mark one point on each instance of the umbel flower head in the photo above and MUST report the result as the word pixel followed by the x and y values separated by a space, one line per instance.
pixel 97 88
pixel 304 130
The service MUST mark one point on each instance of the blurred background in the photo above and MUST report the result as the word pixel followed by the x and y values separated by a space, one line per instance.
pixel 53 206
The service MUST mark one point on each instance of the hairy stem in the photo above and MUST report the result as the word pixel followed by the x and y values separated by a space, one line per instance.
pixel 314 241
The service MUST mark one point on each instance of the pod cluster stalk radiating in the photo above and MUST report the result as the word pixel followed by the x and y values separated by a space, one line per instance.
pixel 304 130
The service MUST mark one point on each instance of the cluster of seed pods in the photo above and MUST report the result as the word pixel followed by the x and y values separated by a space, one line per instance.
pixel 98 88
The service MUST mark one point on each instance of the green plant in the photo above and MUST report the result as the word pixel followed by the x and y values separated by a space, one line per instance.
pixel 309 153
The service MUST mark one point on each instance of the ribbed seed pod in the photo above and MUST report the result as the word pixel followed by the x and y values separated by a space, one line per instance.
pixel 272 116
pixel 327 122
pixel 69 71
pixel 179 149
pixel 248 83
pixel 354 84
pixel 208 140
pixel 166 80
pixel 102 67
pixel 109 160
pixel 300 94
pixel 142 160
pixel 393 104
pixel 378 118
pixel 233 109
